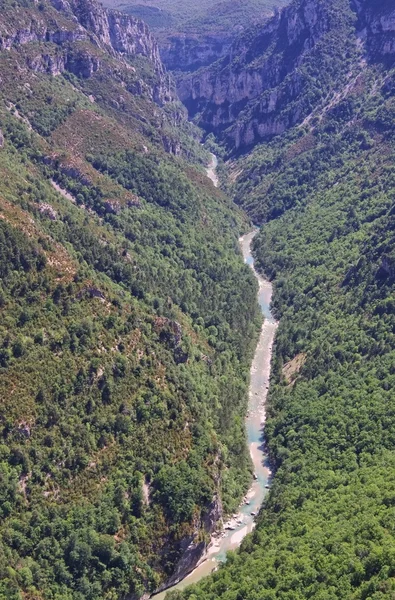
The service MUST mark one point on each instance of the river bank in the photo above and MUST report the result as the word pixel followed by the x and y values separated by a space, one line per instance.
pixel 243 522
pixel 212 170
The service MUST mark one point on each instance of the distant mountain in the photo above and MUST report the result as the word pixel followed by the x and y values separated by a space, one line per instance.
pixel 184 12
pixel 192 35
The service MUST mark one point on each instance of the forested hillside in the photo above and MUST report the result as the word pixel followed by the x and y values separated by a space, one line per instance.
pixel 324 191
pixel 127 318
pixel 183 14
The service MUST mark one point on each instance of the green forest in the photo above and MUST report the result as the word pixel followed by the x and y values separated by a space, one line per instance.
pixel 128 320
pixel 128 323
pixel 182 15
pixel 325 193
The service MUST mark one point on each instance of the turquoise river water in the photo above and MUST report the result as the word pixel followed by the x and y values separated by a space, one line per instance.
pixel 243 521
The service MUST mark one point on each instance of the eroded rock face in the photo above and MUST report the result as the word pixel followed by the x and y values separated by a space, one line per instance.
pixel 48 211
pixel 274 77
pixel 266 63
pixel 45 63
pixel 123 34
pixel 120 34
pixel 377 25
pixel 192 550
pixel 39 31
pixel 191 52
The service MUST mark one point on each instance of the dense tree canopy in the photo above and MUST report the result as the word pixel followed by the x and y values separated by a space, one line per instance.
pixel 127 323
pixel 326 192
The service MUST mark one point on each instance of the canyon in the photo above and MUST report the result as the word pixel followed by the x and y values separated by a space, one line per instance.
pixel 129 320
pixel 272 79
pixel 115 319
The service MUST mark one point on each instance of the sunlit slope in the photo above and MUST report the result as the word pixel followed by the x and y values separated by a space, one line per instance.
pixel 127 318
pixel 169 14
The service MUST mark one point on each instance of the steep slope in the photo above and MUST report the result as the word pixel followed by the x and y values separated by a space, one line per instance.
pixel 273 77
pixel 204 39
pixel 324 191
pixel 192 35
pixel 127 318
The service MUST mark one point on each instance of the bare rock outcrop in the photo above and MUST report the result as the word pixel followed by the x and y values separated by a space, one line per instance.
pixel 184 52
pixel 277 74
pixel 121 35
pixel 192 548
pixel 48 211
pixel 377 28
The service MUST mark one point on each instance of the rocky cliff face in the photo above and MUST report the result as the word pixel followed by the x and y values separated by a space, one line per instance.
pixel 123 33
pixel 208 35
pixel 377 28
pixel 191 52
pixel 276 75
pixel 86 22
pixel 192 547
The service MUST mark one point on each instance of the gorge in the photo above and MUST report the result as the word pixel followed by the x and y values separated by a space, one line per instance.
pixel 129 321
pixel 231 533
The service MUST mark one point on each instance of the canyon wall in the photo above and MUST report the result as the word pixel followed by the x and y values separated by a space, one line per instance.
pixel 77 28
pixel 276 75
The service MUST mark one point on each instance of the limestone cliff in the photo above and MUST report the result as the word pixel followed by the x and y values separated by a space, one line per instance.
pixel 204 39
pixel 189 52
pixel 377 27
pixel 85 23
pixel 193 547
pixel 276 75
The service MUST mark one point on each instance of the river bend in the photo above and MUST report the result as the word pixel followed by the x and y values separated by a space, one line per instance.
pixel 243 521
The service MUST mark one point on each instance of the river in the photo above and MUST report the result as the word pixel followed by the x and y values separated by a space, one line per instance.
pixel 212 169
pixel 243 522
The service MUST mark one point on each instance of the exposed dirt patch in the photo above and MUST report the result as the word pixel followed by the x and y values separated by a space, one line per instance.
pixel 146 493
pixel 292 368
pixel 63 192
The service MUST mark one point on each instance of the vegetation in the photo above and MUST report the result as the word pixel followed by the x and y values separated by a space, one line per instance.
pixel 325 193
pixel 171 14
pixel 127 325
